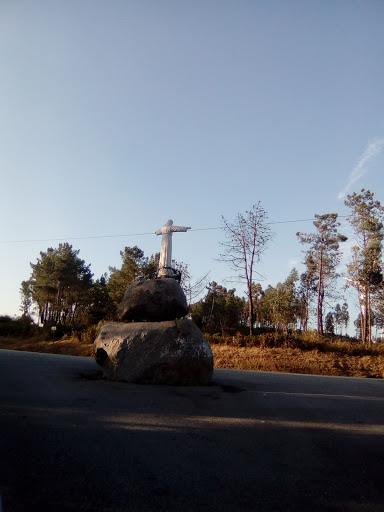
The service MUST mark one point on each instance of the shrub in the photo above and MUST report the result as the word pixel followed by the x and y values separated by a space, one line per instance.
pixel 16 327
pixel 89 335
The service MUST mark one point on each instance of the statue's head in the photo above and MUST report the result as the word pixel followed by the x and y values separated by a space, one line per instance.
pixel 169 222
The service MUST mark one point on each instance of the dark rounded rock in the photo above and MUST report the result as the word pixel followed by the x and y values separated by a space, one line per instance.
pixel 154 300
pixel 172 352
pixel 101 356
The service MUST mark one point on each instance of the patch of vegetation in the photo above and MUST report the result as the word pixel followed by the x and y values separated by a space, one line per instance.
pixel 24 328
pixel 305 341
pixel 294 360
pixel 19 327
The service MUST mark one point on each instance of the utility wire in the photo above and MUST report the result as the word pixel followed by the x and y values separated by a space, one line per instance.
pixel 302 220
pixel 134 234
pixel 70 238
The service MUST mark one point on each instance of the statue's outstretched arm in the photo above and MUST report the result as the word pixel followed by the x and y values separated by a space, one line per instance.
pixel 179 229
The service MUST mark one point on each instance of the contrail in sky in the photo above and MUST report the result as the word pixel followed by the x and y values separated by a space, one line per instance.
pixel 359 170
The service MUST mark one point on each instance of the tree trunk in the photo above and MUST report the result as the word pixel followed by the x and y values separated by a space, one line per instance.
pixel 250 312
pixel 369 319
pixel 363 316
pixel 320 300
pixel 320 297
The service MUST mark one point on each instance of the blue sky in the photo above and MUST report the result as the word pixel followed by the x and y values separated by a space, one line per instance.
pixel 116 116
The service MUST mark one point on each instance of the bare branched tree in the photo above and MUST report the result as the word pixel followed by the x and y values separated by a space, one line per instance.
pixel 191 289
pixel 246 239
pixel 194 289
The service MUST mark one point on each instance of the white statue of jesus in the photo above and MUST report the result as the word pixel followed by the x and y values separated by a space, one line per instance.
pixel 165 262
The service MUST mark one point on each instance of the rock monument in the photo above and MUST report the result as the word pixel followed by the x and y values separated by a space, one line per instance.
pixel 155 342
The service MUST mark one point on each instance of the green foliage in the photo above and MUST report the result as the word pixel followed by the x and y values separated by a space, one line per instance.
pixel 330 323
pixel 60 285
pixel 135 267
pixel 101 305
pixel 26 298
pixel 257 293
pixel 341 316
pixel 90 333
pixel 379 310
pixel 16 327
pixel 365 269
pixel 85 335
pixel 322 257
pixel 306 291
pixel 281 304
pixel 220 310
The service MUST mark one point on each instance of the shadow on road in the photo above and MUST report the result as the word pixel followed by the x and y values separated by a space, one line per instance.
pixel 250 441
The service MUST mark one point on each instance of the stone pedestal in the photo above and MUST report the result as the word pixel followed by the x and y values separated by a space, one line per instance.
pixel 155 343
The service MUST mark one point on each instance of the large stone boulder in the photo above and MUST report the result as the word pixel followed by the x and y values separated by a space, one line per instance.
pixel 154 300
pixel 173 352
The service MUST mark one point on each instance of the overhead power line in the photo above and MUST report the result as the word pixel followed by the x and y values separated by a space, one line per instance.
pixel 302 220
pixel 70 238
pixel 134 234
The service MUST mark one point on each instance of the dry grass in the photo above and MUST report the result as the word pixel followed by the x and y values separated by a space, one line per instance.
pixel 288 360
pixel 294 360
pixel 68 348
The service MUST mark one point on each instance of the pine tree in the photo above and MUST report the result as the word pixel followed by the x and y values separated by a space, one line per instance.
pixel 365 268
pixel 323 256
pixel 60 285
pixel 135 266
pixel 281 304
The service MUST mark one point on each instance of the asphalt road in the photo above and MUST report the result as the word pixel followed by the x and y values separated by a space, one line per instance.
pixel 252 441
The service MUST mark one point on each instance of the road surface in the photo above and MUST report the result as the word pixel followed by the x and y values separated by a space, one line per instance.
pixel 252 441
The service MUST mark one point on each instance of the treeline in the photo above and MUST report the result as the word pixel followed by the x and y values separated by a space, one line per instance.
pixel 281 308
pixel 62 290
pixel 248 235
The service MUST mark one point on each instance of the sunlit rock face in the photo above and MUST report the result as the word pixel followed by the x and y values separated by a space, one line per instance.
pixel 173 352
